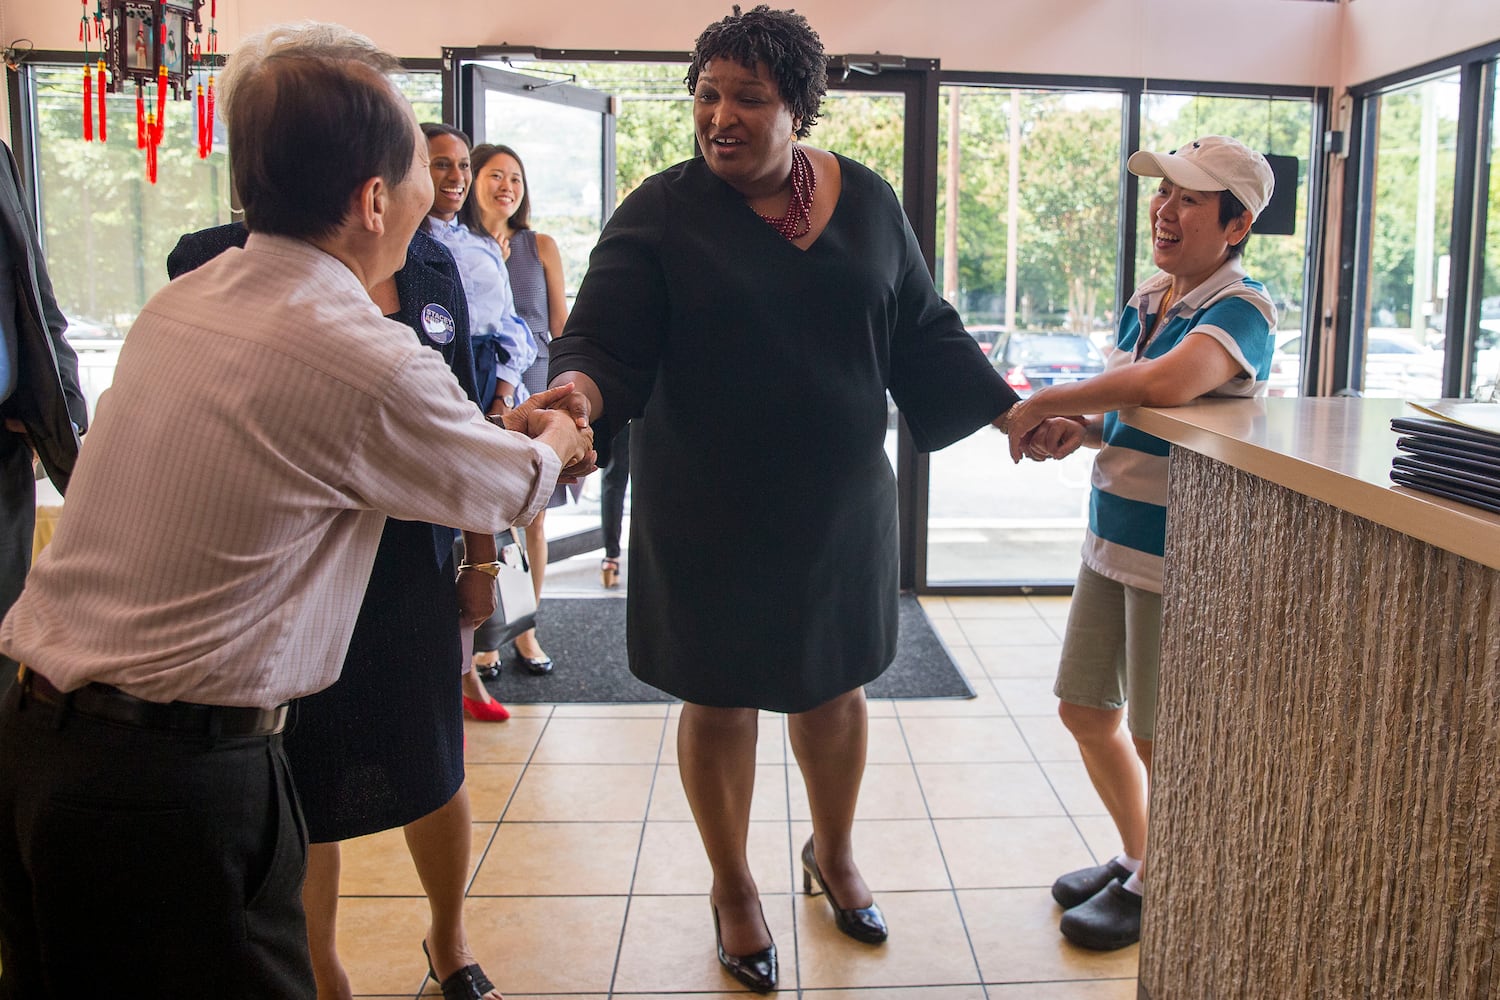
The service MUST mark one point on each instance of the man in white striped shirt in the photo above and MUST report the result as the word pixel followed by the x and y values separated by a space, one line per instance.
pixel 218 536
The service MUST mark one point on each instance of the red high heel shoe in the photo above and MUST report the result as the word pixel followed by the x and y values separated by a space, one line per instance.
pixel 485 711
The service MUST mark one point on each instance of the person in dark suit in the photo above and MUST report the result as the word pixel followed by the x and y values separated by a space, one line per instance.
pixel 40 400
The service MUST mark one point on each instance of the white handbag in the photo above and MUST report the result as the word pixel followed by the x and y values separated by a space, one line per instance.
pixel 516 602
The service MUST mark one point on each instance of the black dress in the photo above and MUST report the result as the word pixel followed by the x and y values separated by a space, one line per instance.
pixel 763 537
pixel 383 745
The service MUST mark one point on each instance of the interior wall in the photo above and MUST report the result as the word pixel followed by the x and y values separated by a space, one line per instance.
pixel 1242 41
pixel 1257 41
pixel 1381 37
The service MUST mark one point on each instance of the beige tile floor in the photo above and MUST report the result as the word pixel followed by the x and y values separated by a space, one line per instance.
pixel 590 883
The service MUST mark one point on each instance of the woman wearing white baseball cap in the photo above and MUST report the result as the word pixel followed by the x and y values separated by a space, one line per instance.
pixel 1199 327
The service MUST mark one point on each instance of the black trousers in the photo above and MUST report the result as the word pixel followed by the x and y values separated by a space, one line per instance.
pixel 138 862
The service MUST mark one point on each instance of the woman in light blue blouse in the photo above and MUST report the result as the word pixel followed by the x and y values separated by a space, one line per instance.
pixel 504 346
pixel 500 206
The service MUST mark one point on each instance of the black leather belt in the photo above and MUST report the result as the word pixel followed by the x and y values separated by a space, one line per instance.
pixel 110 704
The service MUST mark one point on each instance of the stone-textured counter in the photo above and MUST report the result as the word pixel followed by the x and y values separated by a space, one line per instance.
pixel 1325 816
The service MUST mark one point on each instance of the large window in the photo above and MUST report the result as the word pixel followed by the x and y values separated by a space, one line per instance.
pixel 1028 218
pixel 1029 235
pixel 1485 383
pixel 1274 126
pixel 106 228
pixel 1406 304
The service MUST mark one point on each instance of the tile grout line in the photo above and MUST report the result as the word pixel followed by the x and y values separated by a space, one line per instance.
pixel 947 870
pixel 509 801
pixel 640 844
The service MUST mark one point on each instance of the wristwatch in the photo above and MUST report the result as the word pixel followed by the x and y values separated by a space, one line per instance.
pixel 509 399
pixel 487 568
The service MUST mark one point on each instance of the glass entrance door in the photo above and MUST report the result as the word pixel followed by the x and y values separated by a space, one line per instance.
pixel 565 134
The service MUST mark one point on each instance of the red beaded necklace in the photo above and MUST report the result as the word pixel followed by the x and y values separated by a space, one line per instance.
pixel 797 222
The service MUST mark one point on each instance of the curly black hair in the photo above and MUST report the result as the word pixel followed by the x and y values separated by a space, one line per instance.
pixel 780 40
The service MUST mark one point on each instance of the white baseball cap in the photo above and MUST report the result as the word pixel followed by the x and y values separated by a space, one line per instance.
pixel 1212 163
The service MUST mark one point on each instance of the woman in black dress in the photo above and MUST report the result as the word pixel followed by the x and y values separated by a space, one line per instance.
pixel 748 311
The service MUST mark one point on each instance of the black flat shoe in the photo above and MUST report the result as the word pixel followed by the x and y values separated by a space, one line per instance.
pixel 1079 887
pixel 468 983
pixel 538 666
pixel 490 672
pixel 865 923
pixel 757 971
pixel 1109 920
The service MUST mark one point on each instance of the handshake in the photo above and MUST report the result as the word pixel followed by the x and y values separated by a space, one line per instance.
pixel 552 418
pixel 1037 436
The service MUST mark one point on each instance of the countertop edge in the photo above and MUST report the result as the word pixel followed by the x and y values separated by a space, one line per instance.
pixel 1468 532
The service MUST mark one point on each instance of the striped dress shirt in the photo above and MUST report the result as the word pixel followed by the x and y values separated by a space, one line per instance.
pixel 221 525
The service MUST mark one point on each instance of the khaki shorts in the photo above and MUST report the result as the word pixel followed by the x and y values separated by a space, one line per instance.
pixel 1111 653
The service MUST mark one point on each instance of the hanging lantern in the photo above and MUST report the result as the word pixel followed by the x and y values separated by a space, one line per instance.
pixel 146 43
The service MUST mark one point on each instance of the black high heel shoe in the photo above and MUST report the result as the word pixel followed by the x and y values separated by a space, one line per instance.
pixel 757 971
pixel 865 923
pixel 488 671
pixel 468 983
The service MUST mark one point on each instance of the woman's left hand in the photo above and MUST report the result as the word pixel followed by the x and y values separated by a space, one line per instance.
pixel 478 596
pixel 516 419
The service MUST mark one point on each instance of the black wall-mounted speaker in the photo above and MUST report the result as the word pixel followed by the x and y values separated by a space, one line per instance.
pixel 1279 218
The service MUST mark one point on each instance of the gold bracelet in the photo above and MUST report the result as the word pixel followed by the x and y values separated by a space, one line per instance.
pixel 1007 418
pixel 488 568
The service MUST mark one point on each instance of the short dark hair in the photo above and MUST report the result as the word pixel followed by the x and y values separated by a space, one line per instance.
pixel 780 40
pixel 307 133
pixel 478 157
pixel 1231 208
pixel 434 129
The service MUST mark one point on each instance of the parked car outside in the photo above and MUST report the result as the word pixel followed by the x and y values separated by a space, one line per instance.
pixel 1029 361
pixel 1395 365
pixel 1286 364
pixel 1487 351
pixel 986 334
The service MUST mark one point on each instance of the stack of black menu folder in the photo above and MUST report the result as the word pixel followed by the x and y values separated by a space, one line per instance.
pixel 1455 458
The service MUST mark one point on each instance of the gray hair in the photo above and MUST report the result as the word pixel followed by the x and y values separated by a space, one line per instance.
pixel 315 39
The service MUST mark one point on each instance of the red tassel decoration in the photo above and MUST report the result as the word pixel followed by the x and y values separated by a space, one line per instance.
pixel 140 117
pixel 208 142
pixel 88 105
pixel 161 96
pixel 202 124
pixel 151 150
pixel 103 130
